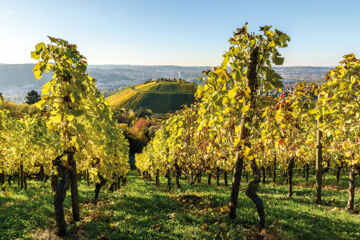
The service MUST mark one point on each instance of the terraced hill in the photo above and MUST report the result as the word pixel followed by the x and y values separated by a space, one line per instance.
pixel 159 96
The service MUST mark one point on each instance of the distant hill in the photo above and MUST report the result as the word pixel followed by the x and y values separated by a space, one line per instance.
pixel 159 96
pixel 18 79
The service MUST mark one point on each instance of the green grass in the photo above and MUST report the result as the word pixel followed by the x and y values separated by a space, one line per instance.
pixel 161 102
pixel 121 97
pixel 173 87
pixel 139 210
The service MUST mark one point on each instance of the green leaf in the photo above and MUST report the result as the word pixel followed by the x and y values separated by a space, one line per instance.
pixel 37 71
pixel 283 38
pixel 252 43
pixel 245 108
pixel 225 101
pixel 77 113
pixel 70 117
pixel 313 111
pixel 276 59
pixel 39 47
pixel 271 44
pixel 55 118
pixel 40 104
pixel 46 88
pixel 79 127
pixel 35 55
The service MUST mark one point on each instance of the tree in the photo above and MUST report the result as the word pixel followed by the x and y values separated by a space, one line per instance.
pixel 245 70
pixel 88 137
pixel 66 95
pixel 224 116
pixel 341 96
pixel 32 97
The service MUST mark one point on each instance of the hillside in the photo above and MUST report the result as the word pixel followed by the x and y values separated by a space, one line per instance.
pixel 159 96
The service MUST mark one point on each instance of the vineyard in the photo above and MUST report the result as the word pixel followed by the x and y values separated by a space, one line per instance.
pixel 233 126
pixel 276 167
pixel 159 96
pixel 73 136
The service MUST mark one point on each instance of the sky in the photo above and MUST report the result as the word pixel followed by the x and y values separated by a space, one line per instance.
pixel 178 32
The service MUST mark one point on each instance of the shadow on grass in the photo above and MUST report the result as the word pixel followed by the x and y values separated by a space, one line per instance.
pixel 310 225
pixel 299 217
pixel 140 212
pixel 24 211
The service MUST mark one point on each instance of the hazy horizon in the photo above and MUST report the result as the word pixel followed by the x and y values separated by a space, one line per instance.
pixel 154 65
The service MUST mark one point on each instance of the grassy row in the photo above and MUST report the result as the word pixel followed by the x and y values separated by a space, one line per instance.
pixel 144 85
pixel 171 87
pixel 161 102
pixel 121 97
pixel 142 211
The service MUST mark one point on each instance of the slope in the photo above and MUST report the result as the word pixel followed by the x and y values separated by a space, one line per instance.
pixel 159 96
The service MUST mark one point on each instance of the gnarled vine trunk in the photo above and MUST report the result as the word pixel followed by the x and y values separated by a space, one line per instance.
pixel 74 186
pixel 53 181
pixel 307 172
pixel 157 178
pixel 251 193
pixel 355 169
pixel 98 186
pixel 268 170
pixel 209 179
pixel 2 181
pixel 243 133
pixel 303 175
pixel 226 178
pixel 88 177
pixel 9 180
pixel 318 167
pixel 338 171
pixel 168 175
pixel 21 174
pixel 198 177
pixel 235 185
pixel 123 180
pixel 60 193
pixel 177 175
pixel 25 182
pixel 275 168
pixel 118 179
pixel 290 176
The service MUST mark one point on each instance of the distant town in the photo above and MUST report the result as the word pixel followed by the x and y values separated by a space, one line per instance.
pixel 18 79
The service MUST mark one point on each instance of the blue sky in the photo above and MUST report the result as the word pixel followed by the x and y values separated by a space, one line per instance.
pixel 178 32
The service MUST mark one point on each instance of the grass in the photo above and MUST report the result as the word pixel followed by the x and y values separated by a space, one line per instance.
pixel 167 87
pixel 144 85
pixel 139 210
pixel 121 97
pixel 161 102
